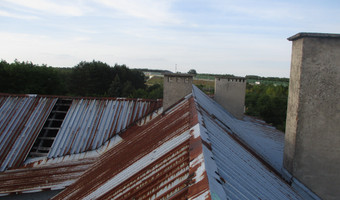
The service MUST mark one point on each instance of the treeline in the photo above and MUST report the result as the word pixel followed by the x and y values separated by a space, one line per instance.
pixel 275 79
pixel 268 102
pixel 85 79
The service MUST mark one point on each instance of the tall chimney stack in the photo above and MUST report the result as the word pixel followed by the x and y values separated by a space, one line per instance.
pixel 230 93
pixel 312 139
pixel 176 86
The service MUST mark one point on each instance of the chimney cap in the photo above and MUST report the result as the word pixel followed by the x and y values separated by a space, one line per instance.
pixel 315 35
pixel 178 75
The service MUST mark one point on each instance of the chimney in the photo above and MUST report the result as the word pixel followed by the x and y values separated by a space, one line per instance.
pixel 176 86
pixel 312 139
pixel 230 93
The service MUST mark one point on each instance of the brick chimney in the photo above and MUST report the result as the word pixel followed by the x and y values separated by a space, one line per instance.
pixel 230 93
pixel 176 86
pixel 312 139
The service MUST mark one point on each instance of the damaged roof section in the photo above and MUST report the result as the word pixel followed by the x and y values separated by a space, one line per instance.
pixel 89 123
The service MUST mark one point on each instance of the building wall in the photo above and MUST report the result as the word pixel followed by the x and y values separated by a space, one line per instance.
pixel 176 86
pixel 312 140
pixel 230 93
pixel 293 101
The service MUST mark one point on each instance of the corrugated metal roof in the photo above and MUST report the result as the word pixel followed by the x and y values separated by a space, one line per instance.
pixel 89 123
pixel 21 119
pixel 152 160
pixel 46 177
pixel 233 171
pixel 195 150
pixel 263 139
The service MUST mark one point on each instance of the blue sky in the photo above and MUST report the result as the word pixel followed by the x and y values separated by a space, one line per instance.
pixel 212 36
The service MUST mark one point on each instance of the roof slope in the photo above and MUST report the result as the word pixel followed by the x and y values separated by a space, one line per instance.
pixel 152 161
pixel 88 125
pixel 45 177
pixel 231 164
pixel 21 119
pixel 264 140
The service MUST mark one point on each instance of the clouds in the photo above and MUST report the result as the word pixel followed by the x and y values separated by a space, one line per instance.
pixel 215 36
pixel 151 10
pixel 42 7
pixel 18 16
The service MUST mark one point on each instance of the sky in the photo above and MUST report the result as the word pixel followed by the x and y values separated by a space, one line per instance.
pixel 241 37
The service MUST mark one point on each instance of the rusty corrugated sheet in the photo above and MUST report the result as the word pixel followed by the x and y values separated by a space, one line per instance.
pixel 151 161
pixel 89 123
pixel 47 177
pixel 21 119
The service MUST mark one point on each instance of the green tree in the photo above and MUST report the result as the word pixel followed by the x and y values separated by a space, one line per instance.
pixel 192 71
pixel 155 92
pixel 26 77
pixel 115 89
pixel 268 102
pixel 91 79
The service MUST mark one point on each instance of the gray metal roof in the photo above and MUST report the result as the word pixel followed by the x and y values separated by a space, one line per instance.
pixel 261 138
pixel 233 171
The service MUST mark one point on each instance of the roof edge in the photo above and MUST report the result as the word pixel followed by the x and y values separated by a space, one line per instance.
pixel 314 35
pixel 80 97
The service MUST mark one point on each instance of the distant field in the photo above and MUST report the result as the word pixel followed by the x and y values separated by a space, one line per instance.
pixel 155 80
pixel 207 86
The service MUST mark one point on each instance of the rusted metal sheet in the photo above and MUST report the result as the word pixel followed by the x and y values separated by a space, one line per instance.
pixel 46 177
pixel 89 123
pixel 21 119
pixel 152 161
